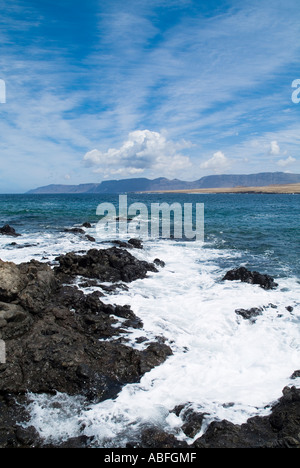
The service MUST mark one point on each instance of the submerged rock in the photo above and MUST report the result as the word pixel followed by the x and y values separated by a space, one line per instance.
pixel 137 243
pixel 159 262
pixel 132 243
pixel 252 277
pixel 295 374
pixel 7 230
pixel 76 230
pixel 249 314
pixel 192 420
pixel 90 238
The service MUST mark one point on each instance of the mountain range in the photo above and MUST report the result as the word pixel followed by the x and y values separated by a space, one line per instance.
pixel 160 184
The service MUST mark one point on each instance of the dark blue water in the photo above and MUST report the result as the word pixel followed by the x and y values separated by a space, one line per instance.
pixel 265 228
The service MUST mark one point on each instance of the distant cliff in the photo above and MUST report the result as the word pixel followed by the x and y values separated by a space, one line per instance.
pixel 161 183
pixel 82 188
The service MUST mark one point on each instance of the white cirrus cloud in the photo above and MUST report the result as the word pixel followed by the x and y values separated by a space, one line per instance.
pixel 218 163
pixel 144 150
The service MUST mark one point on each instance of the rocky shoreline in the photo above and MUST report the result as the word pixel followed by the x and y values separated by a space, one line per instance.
pixel 59 339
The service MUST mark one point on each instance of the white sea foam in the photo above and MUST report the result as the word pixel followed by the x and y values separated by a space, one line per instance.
pixel 222 364
pixel 42 246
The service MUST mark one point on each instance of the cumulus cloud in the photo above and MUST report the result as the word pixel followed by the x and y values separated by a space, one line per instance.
pixel 286 162
pixel 218 163
pixel 144 150
pixel 274 148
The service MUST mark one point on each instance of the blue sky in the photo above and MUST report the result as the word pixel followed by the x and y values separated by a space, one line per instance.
pixel 113 89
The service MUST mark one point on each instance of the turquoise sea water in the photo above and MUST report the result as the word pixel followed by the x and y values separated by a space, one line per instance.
pixel 261 226
pixel 222 365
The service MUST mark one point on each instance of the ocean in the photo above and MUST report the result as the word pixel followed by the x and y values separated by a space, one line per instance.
pixel 222 365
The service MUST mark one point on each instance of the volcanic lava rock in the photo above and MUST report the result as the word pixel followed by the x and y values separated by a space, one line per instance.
pixel 111 265
pixel 192 419
pixel 52 329
pixel 76 230
pixel 278 430
pixel 252 277
pixel 249 314
pixel 159 262
pixel 7 230
pixel 90 238
pixel 58 339
pixel 156 438
pixel 136 243
pixel 295 374
pixel 30 284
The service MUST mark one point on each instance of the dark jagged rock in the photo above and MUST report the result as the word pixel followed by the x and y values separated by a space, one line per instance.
pixel 14 321
pixel 278 430
pixel 131 244
pixel 7 230
pixel 252 277
pixel 30 283
pixel 12 434
pixel 155 354
pixel 112 288
pixel 249 314
pixel 76 230
pixel 79 442
pixel 90 238
pixel 157 438
pixel 109 265
pixel 137 243
pixel 192 420
pixel 121 244
pixel 51 329
pixel 22 246
pixel 159 262
pixel 59 339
